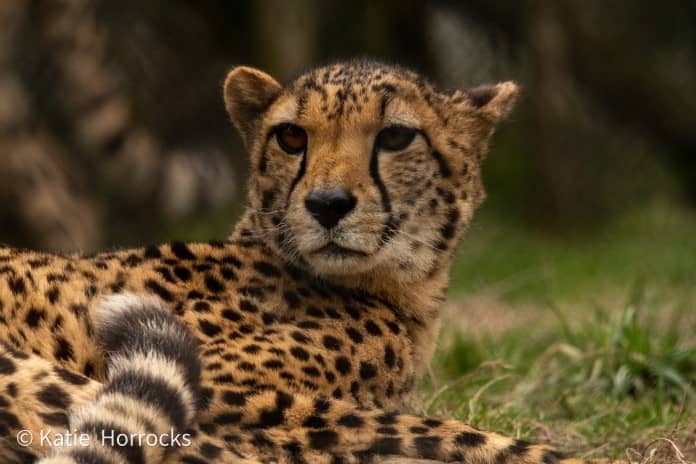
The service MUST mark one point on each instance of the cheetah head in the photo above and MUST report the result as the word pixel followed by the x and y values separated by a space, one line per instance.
pixel 360 166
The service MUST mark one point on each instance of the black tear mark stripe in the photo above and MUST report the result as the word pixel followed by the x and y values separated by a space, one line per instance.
pixel 298 177
pixel 389 228
pixel 445 170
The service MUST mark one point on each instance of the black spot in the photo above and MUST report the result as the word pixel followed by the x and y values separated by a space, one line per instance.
pixel 331 343
pixel 159 290
pixel 152 252
pixel 432 423
pixel 54 396
pixel 275 417
pixel 322 439
pixel 213 284
pixel 315 312
pixel 182 273
pixel 232 315
pixel 182 251
pixel 58 419
pixel 389 356
pixel 251 349
pixel 372 328
pixel 418 430
pixel 314 422
pixel 367 370
pixel 228 273
pixel 519 448
pixel 311 371
pixel 552 457
pixel 246 366
pixel 63 350
pixel 471 439
pixel 292 299
pixel 70 377
pixel 224 378
pixel 273 364
pixel 233 260
pixel 321 405
pixel 332 313
pixel 388 418
pixel 194 295
pixel 53 294
pixel 7 366
pixel 228 418
pixel 34 317
pixel 16 285
pixel 209 450
pixel 260 440
pixel 343 365
pixel 384 446
pixel 208 328
pixel 267 269
pixel 351 421
pixel 299 337
pixel 393 326
pixel 309 325
pixel 354 335
pixel 299 353
pixel 201 307
pixel 427 447
pixel 387 431
pixel 248 306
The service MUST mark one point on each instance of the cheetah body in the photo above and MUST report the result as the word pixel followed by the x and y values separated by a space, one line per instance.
pixel 310 336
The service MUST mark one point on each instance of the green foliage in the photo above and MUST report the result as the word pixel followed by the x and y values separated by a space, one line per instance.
pixel 617 377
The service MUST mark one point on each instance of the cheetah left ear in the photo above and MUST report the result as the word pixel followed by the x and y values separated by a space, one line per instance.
pixel 494 102
pixel 491 102
pixel 248 93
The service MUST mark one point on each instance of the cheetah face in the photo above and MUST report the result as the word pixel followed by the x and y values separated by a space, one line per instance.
pixel 359 166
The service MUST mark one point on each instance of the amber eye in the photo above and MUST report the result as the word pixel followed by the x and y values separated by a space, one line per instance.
pixel 395 138
pixel 291 138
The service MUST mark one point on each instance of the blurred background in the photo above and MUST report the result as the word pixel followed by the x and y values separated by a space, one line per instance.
pixel 113 132
pixel 571 316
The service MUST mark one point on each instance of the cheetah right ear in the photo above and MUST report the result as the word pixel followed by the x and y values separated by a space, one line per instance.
pixel 248 93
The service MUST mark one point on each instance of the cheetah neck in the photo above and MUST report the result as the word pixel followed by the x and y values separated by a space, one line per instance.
pixel 420 300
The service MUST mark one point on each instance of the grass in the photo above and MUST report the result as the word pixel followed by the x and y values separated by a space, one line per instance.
pixel 590 343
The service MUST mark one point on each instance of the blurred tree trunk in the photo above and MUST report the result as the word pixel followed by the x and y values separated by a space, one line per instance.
pixel 286 35
pixel 40 187
pixel 555 191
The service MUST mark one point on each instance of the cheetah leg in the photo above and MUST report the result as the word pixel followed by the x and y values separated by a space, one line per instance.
pixel 151 392
pixel 305 423
pixel 34 397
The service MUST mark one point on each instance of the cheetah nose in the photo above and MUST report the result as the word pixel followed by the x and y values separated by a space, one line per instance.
pixel 329 206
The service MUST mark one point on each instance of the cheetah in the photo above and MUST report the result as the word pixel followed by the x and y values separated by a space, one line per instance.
pixel 294 340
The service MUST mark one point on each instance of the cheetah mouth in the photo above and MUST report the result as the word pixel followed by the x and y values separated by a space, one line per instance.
pixel 335 250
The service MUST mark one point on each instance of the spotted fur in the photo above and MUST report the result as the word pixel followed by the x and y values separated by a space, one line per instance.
pixel 310 337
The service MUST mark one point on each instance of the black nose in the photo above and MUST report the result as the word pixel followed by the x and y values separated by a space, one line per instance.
pixel 329 206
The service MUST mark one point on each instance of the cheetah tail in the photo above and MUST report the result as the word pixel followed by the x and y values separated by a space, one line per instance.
pixel 151 391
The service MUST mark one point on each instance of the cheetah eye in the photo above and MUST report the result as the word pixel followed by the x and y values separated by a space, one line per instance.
pixel 291 138
pixel 395 138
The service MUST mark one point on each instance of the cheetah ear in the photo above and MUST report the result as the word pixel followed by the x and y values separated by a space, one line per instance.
pixel 491 102
pixel 248 93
